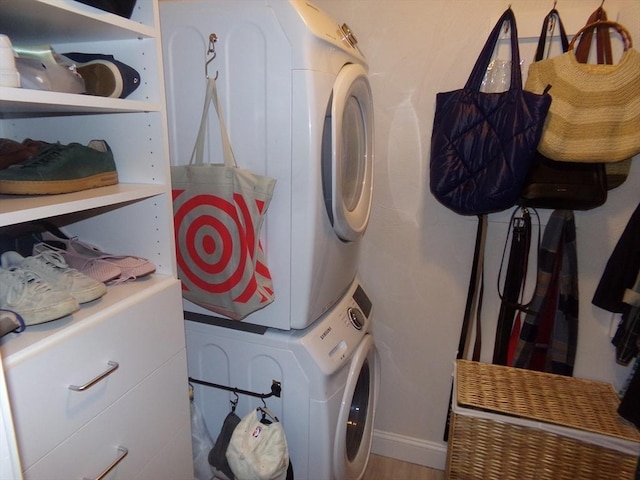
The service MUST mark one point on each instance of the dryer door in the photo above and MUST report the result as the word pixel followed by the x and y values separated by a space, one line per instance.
pixel 354 432
pixel 347 153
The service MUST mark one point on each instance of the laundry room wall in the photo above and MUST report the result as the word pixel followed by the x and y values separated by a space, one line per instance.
pixel 417 254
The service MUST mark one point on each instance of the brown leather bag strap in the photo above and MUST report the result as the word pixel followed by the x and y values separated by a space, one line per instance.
pixel 603 40
pixel 624 33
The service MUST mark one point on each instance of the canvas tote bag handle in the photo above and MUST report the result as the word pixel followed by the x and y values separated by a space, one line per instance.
pixel 198 150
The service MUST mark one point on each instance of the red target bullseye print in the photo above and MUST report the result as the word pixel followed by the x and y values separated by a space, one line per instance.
pixel 216 242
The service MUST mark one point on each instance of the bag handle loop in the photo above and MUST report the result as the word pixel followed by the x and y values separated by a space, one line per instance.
pixel 211 96
pixel 626 36
pixel 603 40
pixel 482 63
pixel 552 16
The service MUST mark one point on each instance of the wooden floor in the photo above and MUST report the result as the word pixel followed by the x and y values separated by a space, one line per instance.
pixel 383 468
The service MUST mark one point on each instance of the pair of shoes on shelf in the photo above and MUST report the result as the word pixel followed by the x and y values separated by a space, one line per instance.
pixel 58 168
pixel 12 152
pixel 9 75
pixel 88 259
pixel 43 287
pixel 41 68
pixel 105 76
pixel 51 267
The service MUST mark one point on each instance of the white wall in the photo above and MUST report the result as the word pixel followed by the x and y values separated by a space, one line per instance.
pixel 417 254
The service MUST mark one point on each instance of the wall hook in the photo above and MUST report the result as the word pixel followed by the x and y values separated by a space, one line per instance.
pixel 234 402
pixel 211 50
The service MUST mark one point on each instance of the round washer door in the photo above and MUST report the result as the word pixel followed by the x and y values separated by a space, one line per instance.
pixel 351 153
pixel 354 432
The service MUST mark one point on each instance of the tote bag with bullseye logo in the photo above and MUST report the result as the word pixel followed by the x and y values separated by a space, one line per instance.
pixel 218 211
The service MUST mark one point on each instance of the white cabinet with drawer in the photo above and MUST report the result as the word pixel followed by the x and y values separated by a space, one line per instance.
pixel 114 373
pixel 120 346
pixel 136 426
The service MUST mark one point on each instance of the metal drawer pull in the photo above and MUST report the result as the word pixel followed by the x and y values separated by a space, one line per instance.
pixel 123 453
pixel 113 367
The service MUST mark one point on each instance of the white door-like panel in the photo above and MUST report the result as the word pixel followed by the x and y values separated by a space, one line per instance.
pixel 354 432
pixel 351 152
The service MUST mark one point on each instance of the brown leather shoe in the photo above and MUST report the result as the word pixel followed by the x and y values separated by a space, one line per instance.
pixel 12 152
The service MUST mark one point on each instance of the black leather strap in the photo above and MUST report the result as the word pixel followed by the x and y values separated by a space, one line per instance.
pixel 553 17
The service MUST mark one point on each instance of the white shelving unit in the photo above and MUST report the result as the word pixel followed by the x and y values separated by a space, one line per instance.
pixel 142 406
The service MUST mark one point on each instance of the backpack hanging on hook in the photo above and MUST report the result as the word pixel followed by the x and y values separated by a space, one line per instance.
pixel 259 451
pixel 217 455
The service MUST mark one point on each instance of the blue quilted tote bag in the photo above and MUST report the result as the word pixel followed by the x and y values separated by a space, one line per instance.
pixel 483 144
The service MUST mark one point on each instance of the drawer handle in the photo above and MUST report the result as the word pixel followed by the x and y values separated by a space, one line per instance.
pixel 113 366
pixel 123 452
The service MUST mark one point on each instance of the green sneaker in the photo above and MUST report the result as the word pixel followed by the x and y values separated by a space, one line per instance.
pixel 61 169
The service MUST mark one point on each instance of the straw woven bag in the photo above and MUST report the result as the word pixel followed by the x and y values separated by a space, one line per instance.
pixel 595 112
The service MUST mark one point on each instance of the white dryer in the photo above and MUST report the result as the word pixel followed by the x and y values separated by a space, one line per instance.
pixel 294 90
pixel 329 377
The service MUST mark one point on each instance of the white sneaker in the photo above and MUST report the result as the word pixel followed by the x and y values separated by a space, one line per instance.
pixel 41 68
pixel 9 76
pixel 51 268
pixel 26 294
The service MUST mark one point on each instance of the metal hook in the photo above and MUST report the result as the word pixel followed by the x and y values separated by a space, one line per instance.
pixel 263 409
pixel 234 403
pixel 213 38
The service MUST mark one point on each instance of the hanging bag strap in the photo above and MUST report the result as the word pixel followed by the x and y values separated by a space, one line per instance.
pixel 474 292
pixel 484 59
pixel 603 41
pixel 197 156
pixel 474 303
pixel 624 33
pixel 550 21
pixel 512 293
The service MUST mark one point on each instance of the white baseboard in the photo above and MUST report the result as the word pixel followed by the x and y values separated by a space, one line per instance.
pixel 409 449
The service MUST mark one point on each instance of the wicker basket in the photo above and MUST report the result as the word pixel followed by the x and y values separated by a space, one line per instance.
pixel 510 423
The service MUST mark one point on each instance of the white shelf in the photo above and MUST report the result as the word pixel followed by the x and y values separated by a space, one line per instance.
pixel 17 102
pixel 53 21
pixel 20 209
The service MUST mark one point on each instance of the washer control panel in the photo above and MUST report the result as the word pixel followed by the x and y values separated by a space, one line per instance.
pixel 333 338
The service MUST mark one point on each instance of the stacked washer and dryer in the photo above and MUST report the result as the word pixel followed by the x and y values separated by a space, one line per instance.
pixel 297 103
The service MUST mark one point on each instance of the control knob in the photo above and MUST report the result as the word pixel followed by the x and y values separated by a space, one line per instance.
pixel 356 317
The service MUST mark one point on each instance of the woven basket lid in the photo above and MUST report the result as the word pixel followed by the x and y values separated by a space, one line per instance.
pixel 566 401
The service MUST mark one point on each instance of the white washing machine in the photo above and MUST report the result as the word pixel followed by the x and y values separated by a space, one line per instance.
pixel 328 374
pixel 297 102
